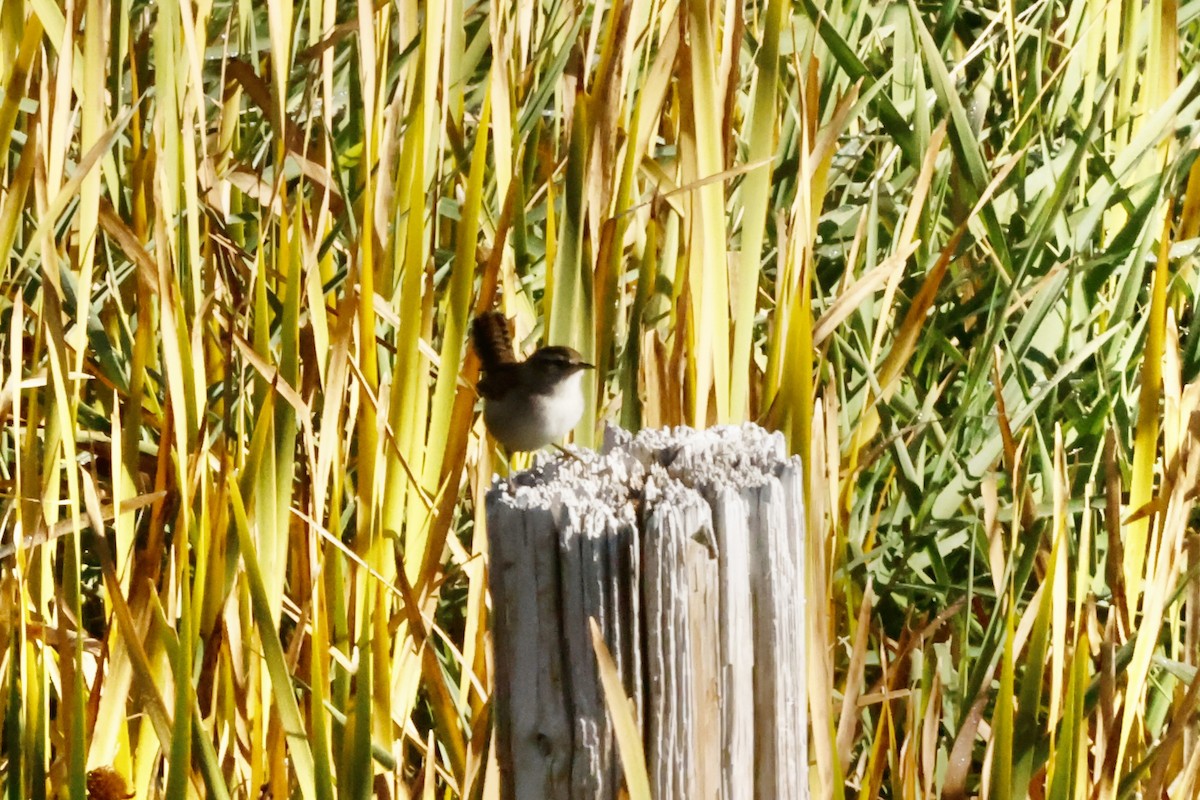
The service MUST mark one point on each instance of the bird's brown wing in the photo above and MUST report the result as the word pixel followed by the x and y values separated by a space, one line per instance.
pixel 493 385
pixel 492 341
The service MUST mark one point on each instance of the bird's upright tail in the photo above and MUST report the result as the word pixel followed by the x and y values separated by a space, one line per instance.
pixel 492 341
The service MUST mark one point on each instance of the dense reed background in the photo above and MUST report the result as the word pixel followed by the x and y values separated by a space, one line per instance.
pixel 949 250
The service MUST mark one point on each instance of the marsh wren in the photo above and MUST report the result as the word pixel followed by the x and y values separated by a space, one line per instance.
pixel 526 404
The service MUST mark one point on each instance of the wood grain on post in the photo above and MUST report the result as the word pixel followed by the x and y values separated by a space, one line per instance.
pixel 687 547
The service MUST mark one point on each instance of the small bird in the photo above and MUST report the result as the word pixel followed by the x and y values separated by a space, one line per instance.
pixel 526 404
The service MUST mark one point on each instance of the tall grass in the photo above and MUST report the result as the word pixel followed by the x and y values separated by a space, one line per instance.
pixel 949 250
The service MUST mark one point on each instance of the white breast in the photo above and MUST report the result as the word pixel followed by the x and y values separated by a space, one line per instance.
pixel 531 422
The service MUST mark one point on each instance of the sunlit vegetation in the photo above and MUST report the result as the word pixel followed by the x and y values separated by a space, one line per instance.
pixel 948 250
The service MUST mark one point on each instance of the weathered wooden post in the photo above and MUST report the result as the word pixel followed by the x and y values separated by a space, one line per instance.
pixel 687 547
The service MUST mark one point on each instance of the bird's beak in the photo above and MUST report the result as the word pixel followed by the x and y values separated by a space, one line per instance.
pixel 585 365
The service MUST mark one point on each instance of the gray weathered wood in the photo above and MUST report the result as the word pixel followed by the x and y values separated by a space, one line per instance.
pixel 687 547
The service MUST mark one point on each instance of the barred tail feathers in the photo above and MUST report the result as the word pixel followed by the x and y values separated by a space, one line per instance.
pixel 491 339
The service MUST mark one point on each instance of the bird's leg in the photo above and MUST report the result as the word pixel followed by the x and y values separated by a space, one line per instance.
pixel 513 462
pixel 512 477
pixel 499 460
pixel 567 453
